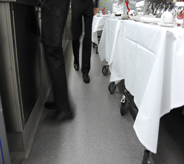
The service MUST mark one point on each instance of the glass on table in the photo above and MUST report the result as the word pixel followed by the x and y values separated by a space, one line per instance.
pixel 100 13
pixel 179 16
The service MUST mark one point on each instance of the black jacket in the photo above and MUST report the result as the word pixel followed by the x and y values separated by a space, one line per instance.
pixel 96 3
pixel 54 15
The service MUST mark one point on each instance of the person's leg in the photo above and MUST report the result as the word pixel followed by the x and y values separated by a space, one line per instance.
pixel 86 51
pixel 76 33
pixel 54 15
pixel 56 65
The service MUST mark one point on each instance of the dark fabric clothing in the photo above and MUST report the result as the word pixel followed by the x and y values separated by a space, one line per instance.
pixel 96 4
pixel 82 8
pixel 55 61
pixel 54 15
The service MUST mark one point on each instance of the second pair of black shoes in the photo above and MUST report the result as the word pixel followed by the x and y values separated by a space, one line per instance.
pixel 76 66
pixel 86 78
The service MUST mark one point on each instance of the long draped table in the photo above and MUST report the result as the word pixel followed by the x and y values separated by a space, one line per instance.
pixel 154 75
pixel 97 25
pixel 108 43
pixel 151 60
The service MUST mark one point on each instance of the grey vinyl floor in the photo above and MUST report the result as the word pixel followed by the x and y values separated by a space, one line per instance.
pixel 99 134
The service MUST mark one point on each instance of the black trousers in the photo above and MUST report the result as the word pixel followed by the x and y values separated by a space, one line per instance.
pixel 56 65
pixel 81 8
pixel 54 14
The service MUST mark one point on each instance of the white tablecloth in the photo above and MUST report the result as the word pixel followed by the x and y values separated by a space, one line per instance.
pixel 154 74
pixel 97 25
pixel 108 41
pixel 151 60
pixel 117 68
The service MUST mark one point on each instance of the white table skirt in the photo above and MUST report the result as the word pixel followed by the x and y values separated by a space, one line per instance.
pixel 154 74
pixel 151 60
pixel 97 25
pixel 117 68
pixel 108 42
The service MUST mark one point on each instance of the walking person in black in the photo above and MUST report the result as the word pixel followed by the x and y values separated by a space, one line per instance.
pixel 54 15
pixel 82 8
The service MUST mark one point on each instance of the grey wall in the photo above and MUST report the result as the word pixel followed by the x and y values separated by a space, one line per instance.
pixel 107 5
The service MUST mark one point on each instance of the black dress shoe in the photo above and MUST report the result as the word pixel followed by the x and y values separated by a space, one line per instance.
pixel 76 66
pixel 65 115
pixel 50 105
pixel 86 78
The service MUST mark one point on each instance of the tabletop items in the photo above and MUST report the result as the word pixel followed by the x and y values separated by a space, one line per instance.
pixel 120 9
pixel 164 14
pixel 170 14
